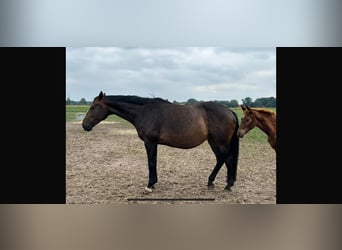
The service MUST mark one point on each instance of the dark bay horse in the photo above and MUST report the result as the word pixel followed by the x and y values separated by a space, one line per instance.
pixel 158 121
pixel 258 117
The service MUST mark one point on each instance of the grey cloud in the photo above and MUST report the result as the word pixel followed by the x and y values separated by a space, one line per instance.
pixel 204 73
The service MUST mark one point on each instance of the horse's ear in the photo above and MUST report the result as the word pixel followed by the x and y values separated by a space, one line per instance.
pixel 243 107
pixel 101 95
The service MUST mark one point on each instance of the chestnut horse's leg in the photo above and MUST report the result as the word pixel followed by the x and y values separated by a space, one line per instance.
pixel 151 150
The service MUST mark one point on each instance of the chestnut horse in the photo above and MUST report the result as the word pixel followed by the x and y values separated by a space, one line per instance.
pixel 158 121
pixel 261 118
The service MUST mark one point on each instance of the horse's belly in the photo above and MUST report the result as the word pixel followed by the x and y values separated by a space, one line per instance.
pixel 187 138
pixel 182 142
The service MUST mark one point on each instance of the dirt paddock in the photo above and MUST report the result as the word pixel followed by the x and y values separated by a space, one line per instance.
pixel 109 166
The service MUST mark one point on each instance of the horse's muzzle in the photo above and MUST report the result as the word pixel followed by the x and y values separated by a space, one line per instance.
pixel 240 134
pixel 87 127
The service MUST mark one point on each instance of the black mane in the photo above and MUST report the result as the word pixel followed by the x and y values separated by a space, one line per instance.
pixel 133 99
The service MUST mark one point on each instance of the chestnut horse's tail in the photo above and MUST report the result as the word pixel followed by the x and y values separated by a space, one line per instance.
pixel 234 147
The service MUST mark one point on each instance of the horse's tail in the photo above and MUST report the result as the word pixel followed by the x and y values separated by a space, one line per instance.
pixel 234 148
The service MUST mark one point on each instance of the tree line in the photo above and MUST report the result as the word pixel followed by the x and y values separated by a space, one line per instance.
pixel 269 102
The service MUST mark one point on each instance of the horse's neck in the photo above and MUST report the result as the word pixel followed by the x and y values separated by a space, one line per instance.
pixel 266 125
pixel 127 111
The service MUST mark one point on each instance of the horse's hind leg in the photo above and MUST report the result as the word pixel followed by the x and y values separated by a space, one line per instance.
pixel 219 162
pixel 212 176
pixel 232 161
pixel 231 173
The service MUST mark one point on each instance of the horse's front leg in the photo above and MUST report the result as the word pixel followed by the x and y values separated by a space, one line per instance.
pixel 151 150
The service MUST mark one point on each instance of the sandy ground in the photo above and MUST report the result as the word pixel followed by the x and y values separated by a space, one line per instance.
pixel 109 166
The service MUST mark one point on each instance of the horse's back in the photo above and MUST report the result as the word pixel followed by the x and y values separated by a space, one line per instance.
pixel 218 112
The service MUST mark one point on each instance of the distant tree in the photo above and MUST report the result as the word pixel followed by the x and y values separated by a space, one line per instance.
pixel 68 101
pixel 265 102
pixel 191 101
pixel 234 103
pixel 247 101
pixel 259 102
pixel 272 102
pixel 83 101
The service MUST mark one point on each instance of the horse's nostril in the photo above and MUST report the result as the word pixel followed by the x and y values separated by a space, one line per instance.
pixel 86 127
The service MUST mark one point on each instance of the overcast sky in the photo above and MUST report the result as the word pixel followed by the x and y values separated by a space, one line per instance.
pixel 173 73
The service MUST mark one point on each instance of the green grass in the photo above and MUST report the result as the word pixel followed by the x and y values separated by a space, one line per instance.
pixel 254 135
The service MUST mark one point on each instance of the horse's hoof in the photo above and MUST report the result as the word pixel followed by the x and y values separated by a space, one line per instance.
pixel 227 188
pixel 211 186
pixel 149 190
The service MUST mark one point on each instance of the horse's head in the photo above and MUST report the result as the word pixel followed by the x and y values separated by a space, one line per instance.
pixel 248 121
pixel 97 112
